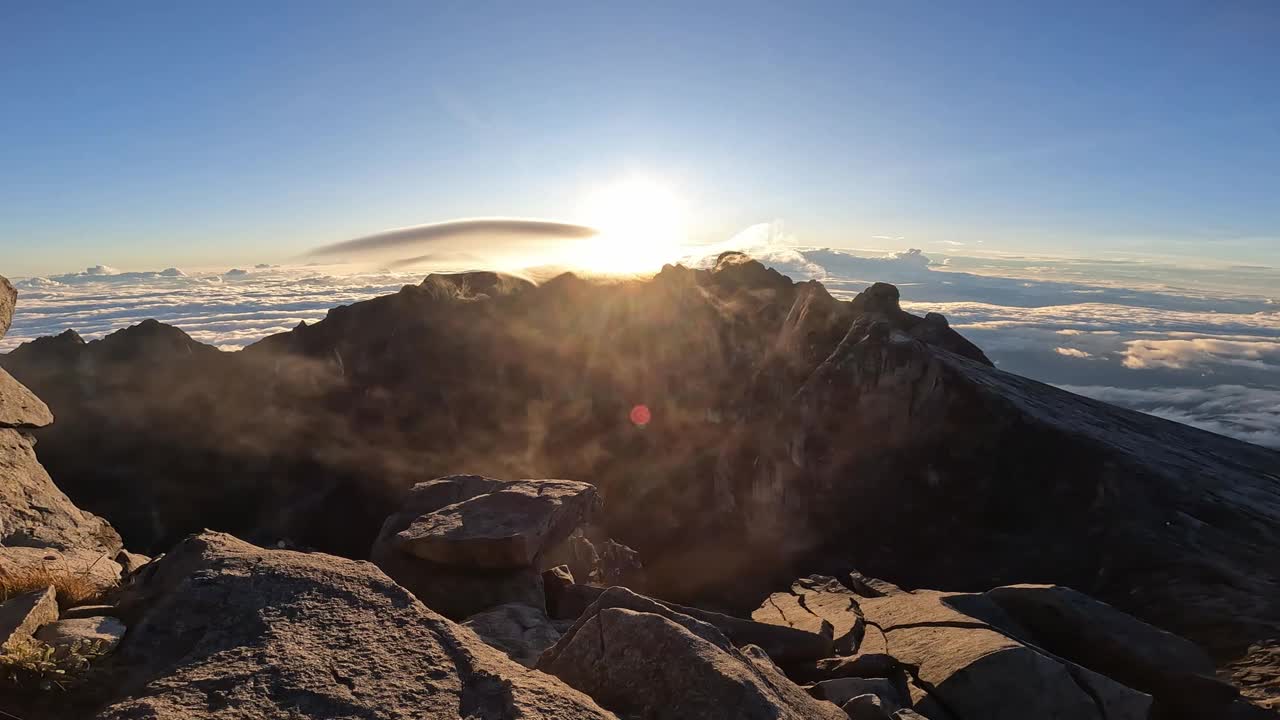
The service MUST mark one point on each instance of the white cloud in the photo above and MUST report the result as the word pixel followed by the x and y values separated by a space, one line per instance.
pixel 1247 413
pixel 226 314
pixel 1052 321
pixel 1260 354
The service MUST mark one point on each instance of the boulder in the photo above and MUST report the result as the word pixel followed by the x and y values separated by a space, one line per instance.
pixel 817 604
pixel 842 690
pixel 35 513
pixel 1091 633
pixel 22 615
pixel 656 663
pixel 962 663
pixel 131 562
pixel 520 631
pixel 478 529
pixel 91 635
pixel 77 573
pixel 866 707
pixel 456 593
pixel 19 407
pixel 230 629
pixel 566 599
pixel 506 527
pixel 8 299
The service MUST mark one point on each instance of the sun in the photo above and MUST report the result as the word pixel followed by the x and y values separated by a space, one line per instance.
pixel 642 224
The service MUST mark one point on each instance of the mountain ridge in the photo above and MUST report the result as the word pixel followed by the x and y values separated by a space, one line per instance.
pixel 788 430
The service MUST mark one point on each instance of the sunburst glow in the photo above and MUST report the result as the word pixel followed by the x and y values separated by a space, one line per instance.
pixel 642 224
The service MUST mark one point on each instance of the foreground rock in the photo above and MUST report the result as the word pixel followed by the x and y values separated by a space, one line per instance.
pixel 282 634
pixel 19 407
pixel 520 631
pixel 35 513
pixel 1012 652
pixel 91 635
pixel 467 543
pixel 487 523
pixel 641 659
pixel 22 615
pixel 819 605
pixel 1078 628
pixel 8 298
pixel 80 574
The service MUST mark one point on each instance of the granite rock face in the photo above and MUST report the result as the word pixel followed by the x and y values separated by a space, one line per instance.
pixel 467 543
pixel 230 629
pixel 658 663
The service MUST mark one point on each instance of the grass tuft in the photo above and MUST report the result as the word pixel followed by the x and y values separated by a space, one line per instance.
pixel 74 588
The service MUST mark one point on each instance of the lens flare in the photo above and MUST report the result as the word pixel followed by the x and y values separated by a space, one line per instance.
pixel 640 415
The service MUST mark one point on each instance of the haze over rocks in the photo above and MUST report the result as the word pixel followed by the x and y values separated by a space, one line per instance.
pixel 784 432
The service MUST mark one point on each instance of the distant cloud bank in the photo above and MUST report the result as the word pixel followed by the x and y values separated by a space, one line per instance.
pixel 494 233
pixel 1196 346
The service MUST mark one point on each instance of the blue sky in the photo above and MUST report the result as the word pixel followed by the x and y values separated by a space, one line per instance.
pixel 144 135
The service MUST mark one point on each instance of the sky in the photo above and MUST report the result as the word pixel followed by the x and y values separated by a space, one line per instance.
pixel 1090 191
pixel 148 135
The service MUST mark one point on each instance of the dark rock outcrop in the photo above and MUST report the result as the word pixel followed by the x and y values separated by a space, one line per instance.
pixel 965 476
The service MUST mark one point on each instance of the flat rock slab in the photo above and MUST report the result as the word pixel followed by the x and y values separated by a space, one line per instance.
pixel 96 635
pixel 22 615
pixel 508 527
pixel 1097 636
pixel 91 611
pixel 283 634
pixel 975 670
pixel 19 407
pixel 820 605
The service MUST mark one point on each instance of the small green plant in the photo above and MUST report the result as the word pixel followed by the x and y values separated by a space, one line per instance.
pixel 29 664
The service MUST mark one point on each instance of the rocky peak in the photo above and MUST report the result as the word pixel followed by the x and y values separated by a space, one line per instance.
pixel 880 298
pixel 474 285
pixel 737 270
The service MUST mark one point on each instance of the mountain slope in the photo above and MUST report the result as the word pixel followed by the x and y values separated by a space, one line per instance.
pixel 742 427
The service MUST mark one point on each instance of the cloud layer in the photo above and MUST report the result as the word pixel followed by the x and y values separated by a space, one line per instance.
pixel 406 245
pixel 1188 351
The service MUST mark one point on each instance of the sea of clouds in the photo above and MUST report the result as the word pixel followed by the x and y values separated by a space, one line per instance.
pixel 1199 346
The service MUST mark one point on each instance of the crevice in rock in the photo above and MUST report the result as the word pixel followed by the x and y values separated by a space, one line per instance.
pixel 939 623
pixel 914 672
